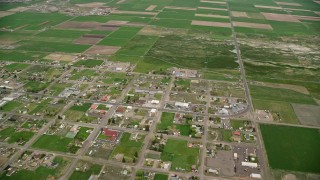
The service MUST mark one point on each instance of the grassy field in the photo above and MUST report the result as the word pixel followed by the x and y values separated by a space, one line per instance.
pixel 166 121
pixel 179 154
pixel 277 94
pixel 16 67
pixel 127 147
pixel 53 143
pixel 42 46
pixel 160 177
pixel 10 106
pixel 292 148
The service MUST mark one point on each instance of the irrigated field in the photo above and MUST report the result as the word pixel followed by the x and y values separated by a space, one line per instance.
pixel 292 148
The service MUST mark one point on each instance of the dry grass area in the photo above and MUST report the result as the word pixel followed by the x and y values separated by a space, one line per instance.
pixel 288 4
pixel 160 31
pixel 19 9
pixel 134 12
pixel 253 25
pixel 106 50
pixel 87 25
pixel 181 8
pixel 117 23
pixel 280 17
pixel 5 13
pixel 212 15
pixel 215 9
pixel 239 14
pixel 151 8
pixel 91 5
pixel 310 18
pixel 61 57
pixel 212 24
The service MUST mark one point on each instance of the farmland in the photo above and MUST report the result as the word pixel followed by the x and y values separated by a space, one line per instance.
pixel 292 148
pixel 170 89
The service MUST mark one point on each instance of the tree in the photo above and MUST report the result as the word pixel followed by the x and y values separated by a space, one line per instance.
pixel 123 160
pixel 136 154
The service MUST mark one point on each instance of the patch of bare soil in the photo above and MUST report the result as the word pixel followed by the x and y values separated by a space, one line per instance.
pixel 289 4
pixel 151 8
pixel 289 177
pixel 214 2
pixel 209 23
pixel 160 31
pixel 181 8
pixel 121 1
pixel 212 15
pixel 19 9
pixel 117 23
pixel 90 39
pixel 106 50
pixel 88 25
pixel 61 57
pixel 310 18
pixel 5 13
pixel 134 12
pixel 91 5
pixel 239 14
pixel 215 9
pixel 268 7
pixel 253 25
pixel 280 17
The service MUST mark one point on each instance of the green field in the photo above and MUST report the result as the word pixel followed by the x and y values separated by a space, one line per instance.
pixel 277 94
pixel 179 154
pixel 166 121
pixel 292 148
pixel 16 67
pixel 127 147
pixel 53 143
pixel 10 106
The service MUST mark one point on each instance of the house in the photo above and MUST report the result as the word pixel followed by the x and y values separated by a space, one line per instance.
pixel 152 112
pixel 110 134
pixel 121 109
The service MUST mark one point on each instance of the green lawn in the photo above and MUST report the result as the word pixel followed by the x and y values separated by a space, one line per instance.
pixel 160 177
pixel 166 121
pixel 53 143
pixel 179 154
pixel 22 136
pixel 127 147
pixel 9 106
pixel 292 148
pixel 35 86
